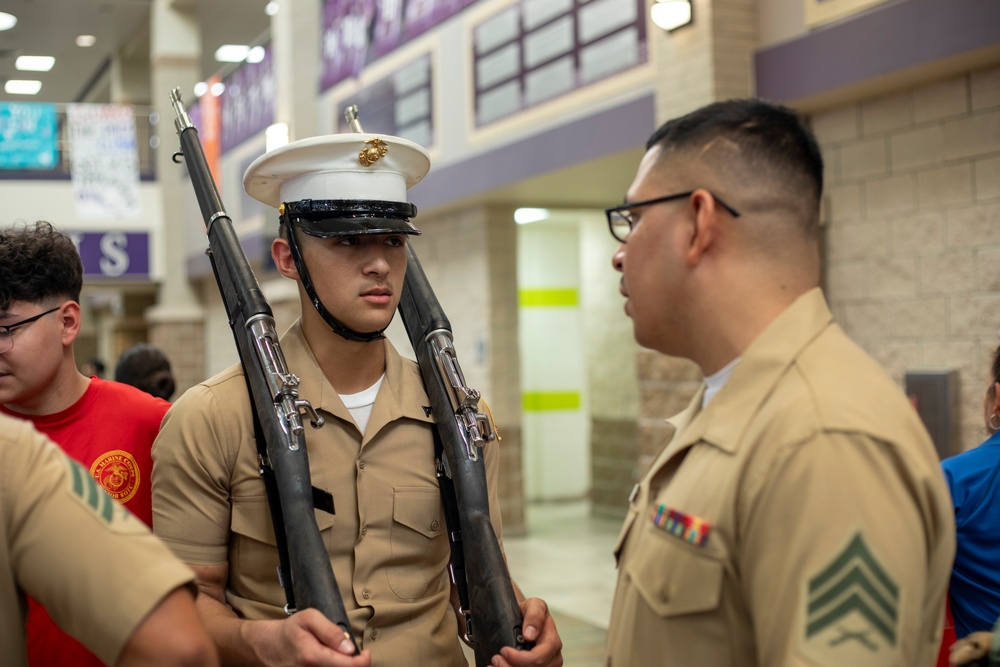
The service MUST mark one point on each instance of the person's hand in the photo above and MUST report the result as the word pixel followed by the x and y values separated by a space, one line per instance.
pixel 969 650
pixel 307 639
pixel 540 628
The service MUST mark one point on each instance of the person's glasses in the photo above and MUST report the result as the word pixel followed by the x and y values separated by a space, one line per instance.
pixel 7 332
pixel 621 221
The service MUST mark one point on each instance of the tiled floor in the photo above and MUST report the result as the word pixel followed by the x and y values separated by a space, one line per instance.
pixel 566 559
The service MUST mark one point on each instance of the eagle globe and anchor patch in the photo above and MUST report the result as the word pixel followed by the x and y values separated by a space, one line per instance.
pixel 118 473
pixel 851 614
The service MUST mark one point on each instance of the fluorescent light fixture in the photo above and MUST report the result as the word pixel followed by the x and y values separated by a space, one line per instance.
pixel 275 136
pixel 86 40
pixel 271 8
pixel 524 216
pixel 256 54
pixel 217 88
pixel 34 63
pixel 7 21
pixel 200 88
pixel 21 87
pixel 232 53
pixel 671 14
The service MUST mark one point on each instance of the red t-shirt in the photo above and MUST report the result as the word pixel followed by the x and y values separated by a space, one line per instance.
pixel 110 430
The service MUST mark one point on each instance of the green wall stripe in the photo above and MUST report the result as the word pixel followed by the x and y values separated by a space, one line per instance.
pixel 544 297
pixel 542 401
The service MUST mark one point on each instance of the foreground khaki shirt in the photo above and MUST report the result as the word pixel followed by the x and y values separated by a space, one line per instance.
pixel 388 540
pixel 66 543
pixel 800 519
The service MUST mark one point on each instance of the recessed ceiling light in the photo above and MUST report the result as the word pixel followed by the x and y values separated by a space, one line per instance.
pixel 20 87
pixel 200 88
pixel 34 63
pixel 271 8
pixel 255 55
pixel 525 216
pixel 232 53
pixel 217 88
pixel 86 40
pixel 7 21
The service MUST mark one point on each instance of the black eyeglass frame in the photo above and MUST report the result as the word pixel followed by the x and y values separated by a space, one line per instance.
pixel 7 333
pixel 622 211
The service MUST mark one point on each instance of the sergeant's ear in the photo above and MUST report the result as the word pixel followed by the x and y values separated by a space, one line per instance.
pixel 704 225
pixel 281 253
pixel 996 397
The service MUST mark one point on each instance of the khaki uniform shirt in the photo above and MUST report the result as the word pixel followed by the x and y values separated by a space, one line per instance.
pixel 800 519
pixel 69 545
pixel 387 541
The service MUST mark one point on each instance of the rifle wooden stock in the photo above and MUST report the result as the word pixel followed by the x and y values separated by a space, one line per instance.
pixel 273 389
pixel 497 615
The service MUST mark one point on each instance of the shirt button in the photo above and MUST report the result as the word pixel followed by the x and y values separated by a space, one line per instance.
pixel 375 633
pixel 364 530
pixel 366 594
pixel 361 464
pixel 435 525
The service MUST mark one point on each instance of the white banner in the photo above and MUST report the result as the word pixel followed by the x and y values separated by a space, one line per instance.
pixel 104 161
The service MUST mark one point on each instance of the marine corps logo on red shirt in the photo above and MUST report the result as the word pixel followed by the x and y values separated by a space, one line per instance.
pixel 118 473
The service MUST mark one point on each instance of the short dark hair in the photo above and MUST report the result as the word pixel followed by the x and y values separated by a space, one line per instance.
pixel 773 140
pixel 38 263
pixel 146 367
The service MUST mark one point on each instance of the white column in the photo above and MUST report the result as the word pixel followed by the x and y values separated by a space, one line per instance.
pixel 295 35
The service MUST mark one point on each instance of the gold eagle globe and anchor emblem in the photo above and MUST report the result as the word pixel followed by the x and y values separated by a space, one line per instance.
pixel 374 150
pixel 118 472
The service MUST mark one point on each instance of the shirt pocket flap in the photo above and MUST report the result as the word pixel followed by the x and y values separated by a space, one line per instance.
pixel 252 518
pixel 674 579
pixel 418 508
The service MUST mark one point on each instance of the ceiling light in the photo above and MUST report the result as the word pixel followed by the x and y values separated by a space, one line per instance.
pixel 200 88
pixel 232 53
pixel 671 14
pixel 86 40
pixel 218 88
pixel 256 54
pixel 523 216
pixel 7 21
pixel 34 63
pixel 271 8
pixel 275 136
pixel 21 87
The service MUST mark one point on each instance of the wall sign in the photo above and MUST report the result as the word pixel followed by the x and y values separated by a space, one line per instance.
pixel 113 254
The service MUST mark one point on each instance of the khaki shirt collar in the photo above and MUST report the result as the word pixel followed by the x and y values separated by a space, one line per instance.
pixel 762 364
pixel 401 395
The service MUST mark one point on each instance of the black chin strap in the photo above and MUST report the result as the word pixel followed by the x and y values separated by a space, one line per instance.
pixel 337 327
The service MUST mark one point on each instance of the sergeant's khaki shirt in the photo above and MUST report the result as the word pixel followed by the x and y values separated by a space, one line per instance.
pixel 800 519
pixel 388 540
pixel 69 545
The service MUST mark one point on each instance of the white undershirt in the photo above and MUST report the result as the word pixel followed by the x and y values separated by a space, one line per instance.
pixel 715 382
pixel 360 404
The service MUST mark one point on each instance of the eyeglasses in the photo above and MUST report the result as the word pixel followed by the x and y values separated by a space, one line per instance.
pixel 7 332
pixel 620 220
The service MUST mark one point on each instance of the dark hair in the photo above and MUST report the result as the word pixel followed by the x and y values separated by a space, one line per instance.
pixel 773 141
pixel 38 263
pixel 996 366
pixel 146 367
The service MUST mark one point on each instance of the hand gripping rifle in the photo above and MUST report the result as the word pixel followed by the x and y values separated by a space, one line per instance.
pixel 273 391
pixel 478 568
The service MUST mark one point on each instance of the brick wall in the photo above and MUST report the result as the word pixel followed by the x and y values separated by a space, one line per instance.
pixel 912 211
pixel 470 258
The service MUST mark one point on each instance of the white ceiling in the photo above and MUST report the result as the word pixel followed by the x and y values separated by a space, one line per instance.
pixel 50 28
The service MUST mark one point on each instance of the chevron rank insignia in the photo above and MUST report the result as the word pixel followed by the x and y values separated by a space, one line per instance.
pixel 851 614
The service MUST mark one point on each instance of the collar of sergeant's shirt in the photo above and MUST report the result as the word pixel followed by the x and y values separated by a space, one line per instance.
pixel 723 422
pixel 399 377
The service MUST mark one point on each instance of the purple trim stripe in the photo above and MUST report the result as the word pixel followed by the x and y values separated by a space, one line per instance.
pixel 887 39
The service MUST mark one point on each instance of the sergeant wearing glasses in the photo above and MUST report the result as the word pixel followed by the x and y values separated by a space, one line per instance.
pixel 798 515
pixel 107 427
